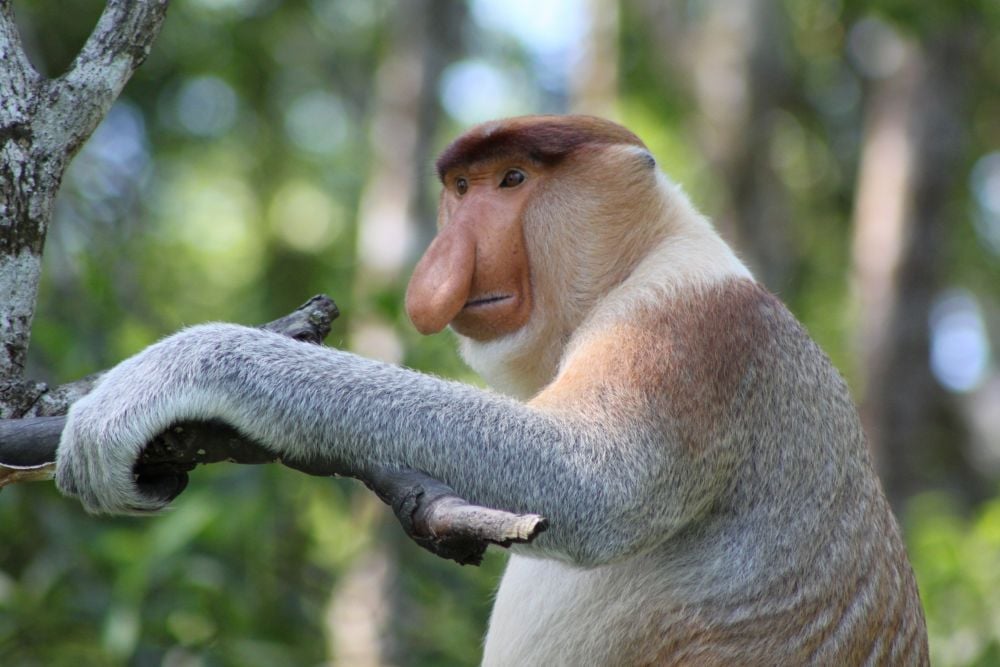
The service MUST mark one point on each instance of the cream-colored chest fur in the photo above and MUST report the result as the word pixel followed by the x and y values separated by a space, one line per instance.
pixel 550 613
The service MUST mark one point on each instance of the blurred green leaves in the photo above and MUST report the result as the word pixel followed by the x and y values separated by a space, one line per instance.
pixel 957 560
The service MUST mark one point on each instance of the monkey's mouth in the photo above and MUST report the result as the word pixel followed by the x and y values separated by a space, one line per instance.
pixel 489 315
pixel 487 300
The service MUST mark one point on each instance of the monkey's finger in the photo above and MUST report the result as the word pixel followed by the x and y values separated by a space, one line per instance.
pixel 161 487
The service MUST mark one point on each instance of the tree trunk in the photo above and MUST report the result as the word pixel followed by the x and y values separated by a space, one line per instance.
pixel 908 170
pixel 43 122
pixel 396 216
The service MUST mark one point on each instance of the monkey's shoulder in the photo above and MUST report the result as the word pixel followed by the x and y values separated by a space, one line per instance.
pixel 704 339
pixel 702 360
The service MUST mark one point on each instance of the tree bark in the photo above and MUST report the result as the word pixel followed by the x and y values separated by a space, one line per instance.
pixel 43 122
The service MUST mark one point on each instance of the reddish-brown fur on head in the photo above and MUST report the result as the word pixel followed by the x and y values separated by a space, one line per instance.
pixel 545 140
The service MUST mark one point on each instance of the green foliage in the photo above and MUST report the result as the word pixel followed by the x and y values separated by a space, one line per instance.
pixel 957 561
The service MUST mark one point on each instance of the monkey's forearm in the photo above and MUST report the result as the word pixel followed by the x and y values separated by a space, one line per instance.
pixel 315 402
pixel 307 402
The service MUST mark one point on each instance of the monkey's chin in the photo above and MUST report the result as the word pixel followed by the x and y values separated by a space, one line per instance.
pixel 491 317
pixel 498 362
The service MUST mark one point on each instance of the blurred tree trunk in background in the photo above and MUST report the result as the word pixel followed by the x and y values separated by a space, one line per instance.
pixel 733 60
pixel 908 170
pixel 594 80
pixel 363 602
pixel 396 217
pixel 740 75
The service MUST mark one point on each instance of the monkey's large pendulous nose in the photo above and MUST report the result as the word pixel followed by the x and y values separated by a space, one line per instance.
pixel 441 281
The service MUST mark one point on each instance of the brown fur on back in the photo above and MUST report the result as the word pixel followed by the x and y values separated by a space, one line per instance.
pixel 800 561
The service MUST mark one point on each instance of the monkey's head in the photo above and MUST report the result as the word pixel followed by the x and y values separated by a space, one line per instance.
pixel 539 218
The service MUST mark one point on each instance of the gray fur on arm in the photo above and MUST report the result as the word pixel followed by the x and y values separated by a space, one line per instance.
pixel 307 402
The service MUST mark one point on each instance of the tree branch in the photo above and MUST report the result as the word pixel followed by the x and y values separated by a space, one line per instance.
pixel 430 512
pixel 42 125
pixel 119 43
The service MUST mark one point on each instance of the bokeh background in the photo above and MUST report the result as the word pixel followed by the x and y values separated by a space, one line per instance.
pixel 269 150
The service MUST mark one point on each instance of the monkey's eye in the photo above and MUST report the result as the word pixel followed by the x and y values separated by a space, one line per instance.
pixel 512 179
pixel 462 186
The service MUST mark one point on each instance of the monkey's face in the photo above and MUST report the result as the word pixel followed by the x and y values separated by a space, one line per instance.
pixel 476 275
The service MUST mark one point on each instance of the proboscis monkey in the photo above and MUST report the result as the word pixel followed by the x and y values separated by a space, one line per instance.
pixel 710 493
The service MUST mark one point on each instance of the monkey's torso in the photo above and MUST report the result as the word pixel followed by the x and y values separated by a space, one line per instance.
pixel 798 562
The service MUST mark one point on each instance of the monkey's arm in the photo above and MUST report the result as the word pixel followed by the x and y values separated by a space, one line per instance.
pixel 593 482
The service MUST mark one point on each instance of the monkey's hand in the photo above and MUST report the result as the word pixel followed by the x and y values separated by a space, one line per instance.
pixel 107 430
